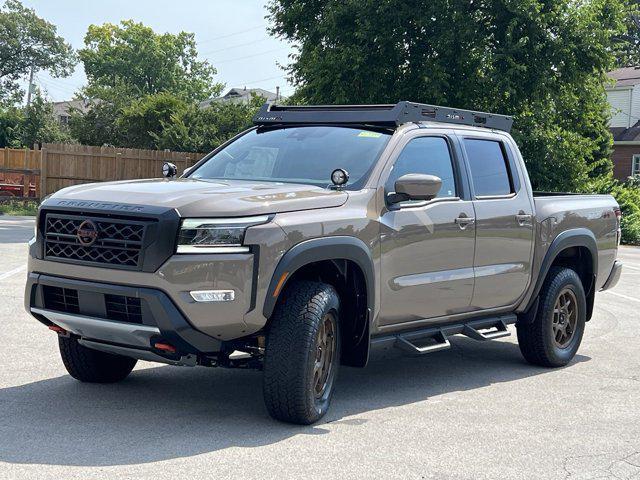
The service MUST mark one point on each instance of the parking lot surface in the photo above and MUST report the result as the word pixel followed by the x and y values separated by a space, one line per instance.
pixel 474 411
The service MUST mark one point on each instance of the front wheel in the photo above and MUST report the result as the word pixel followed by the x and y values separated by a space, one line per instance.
pixel 553 338
pixel 302 353
pixel 93 366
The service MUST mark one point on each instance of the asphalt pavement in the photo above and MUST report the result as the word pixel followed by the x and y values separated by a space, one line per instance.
pixel 473 412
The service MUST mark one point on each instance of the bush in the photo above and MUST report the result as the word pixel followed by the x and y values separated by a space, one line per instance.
pixel 631 229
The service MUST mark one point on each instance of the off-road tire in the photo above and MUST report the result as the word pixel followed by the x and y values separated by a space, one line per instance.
pixel 93 366
pixel 536 338
pixel 291 353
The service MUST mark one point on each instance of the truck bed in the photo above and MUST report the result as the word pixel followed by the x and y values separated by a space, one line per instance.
pixel 559 212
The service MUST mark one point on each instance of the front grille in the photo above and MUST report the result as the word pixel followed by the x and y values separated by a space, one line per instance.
pixel 60 299
pixel 125 309
pixel 115 242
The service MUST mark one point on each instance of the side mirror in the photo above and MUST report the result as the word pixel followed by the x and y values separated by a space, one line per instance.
pixel 417 186
pixel 169 170
pixel 186 171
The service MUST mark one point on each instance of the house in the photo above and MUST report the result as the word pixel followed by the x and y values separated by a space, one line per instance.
pixel 624 98
pixel 61 110
pixel 243 95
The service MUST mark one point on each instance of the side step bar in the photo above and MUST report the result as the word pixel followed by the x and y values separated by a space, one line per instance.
pixel 435 339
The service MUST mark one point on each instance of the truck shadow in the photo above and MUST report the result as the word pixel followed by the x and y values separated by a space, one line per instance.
pixel 163 412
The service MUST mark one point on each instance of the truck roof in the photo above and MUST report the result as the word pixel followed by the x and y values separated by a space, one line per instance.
pixel 385 115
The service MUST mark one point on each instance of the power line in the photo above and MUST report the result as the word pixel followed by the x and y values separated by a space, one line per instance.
pixel 231 34
pixel 253 82
pixel 232 47
pixel 249 56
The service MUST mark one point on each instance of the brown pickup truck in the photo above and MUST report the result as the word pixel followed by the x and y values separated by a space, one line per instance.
pixel 313 237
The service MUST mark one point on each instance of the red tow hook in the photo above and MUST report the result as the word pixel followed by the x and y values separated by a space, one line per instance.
pixel 165 347
pixel 57 329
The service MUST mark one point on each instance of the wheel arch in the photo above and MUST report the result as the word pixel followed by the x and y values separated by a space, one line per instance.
pixel 576 249
pixel 344 262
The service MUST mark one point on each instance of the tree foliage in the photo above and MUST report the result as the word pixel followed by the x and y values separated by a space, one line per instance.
pixel 202 130
pixel 27 40
pixel 35 124
pixel 131 60
pixel 543 61
pixel 145 89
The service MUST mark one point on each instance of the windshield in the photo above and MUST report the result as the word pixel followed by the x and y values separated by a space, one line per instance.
pixel 297 155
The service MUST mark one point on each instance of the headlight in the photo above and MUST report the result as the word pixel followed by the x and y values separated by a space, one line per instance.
pixel 215 235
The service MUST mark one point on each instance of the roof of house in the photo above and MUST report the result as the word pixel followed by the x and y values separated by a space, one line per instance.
pixel 626 76
pixel 240 95
pixel 62 108
pixel 621 134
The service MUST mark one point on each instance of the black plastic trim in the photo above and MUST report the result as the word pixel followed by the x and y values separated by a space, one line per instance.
pixel 614 276
pixel 316 250
pixel 391 115
pixel 578 237
pixel 160 235
pixel 173 325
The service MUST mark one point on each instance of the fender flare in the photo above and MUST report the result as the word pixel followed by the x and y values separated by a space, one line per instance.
pixel 577 237
pixel 316 250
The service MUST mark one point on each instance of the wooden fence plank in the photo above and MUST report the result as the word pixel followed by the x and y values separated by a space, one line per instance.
pixel 43 172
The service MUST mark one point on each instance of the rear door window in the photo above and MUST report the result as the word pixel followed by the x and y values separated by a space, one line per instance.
pixel 489 167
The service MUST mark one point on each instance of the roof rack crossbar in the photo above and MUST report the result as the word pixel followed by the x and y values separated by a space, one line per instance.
pixel 378 115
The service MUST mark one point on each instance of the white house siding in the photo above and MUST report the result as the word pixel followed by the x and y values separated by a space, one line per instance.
pixel 635 105
pixel 621 106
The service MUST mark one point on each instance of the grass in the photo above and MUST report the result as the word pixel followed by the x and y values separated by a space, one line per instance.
pixel 19 207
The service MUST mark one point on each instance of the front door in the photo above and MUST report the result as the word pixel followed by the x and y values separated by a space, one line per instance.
pixel 427 247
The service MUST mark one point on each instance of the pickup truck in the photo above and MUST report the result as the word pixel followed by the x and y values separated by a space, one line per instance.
pixel 307 241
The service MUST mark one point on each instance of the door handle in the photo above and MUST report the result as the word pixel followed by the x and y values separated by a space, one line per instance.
pixel 464 221
pixel 523 219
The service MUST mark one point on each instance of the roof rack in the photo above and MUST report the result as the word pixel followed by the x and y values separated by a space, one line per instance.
pixel 378 115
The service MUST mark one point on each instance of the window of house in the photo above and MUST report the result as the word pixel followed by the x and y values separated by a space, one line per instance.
pixel 427 155
pixel 635 165
pixel 489 168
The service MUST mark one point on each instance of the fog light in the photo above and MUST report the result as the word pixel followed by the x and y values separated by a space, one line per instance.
pixel 213 295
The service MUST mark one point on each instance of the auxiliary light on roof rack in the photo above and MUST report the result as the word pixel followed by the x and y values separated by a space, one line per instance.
pixel 378 115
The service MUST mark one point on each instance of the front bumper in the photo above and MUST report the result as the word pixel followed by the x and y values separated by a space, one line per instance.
pixel 88 317
pixel 614 276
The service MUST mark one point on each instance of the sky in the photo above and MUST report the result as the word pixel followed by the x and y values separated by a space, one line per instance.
pixel 231 34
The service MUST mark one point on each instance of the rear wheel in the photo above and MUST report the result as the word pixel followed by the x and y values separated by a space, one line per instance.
pixel 302 353
pixel 553 338
pixel 93 366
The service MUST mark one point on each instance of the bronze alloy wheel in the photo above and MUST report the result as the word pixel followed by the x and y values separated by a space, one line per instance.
pixel 565 318
pixel 325 353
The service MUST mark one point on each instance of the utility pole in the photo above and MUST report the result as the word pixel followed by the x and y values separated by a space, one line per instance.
pixel 30 86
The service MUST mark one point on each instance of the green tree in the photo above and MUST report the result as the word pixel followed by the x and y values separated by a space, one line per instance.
pixel 26 41
pixel 39 125
pixel 96 126
pixel 131 60
pixel 202 130
pixel 140 83
pixel 543 61
pixel 143 120
pixel 10 118
pixel 24 127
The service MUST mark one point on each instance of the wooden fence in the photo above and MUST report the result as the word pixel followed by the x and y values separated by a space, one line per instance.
pixel 56 166
pixel 19 172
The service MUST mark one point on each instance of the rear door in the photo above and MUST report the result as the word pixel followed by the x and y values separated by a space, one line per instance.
pixel 504 220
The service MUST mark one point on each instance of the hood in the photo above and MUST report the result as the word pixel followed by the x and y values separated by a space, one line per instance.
pixel 199 198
